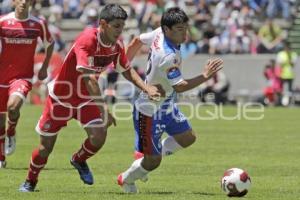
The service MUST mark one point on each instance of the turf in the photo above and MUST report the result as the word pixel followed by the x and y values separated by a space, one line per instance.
pixel 268 149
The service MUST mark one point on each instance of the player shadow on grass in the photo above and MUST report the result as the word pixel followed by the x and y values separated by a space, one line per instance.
pixel 205 193
pixel 165 193
pixel 143 193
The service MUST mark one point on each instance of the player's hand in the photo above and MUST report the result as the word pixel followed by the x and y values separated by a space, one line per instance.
pixel 212 67
pixel 43 73
pixel 155 92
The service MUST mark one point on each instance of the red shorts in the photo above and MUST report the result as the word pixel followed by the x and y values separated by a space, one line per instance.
pixel 55 116
pixel 18 87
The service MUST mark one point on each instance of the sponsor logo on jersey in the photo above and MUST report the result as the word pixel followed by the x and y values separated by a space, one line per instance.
pixel 18 41
pixel 173 73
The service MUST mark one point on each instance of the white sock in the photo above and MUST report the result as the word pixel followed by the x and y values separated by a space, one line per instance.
pixel 135 172
pixel 170 146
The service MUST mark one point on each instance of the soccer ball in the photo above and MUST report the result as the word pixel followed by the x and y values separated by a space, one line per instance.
pixel 235 182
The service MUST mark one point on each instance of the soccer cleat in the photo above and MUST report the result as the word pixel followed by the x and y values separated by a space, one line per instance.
pixel 83 169
pixel 137 155
pixel 127 188
pixel 27 187
pixel 10 145
pixel 2 164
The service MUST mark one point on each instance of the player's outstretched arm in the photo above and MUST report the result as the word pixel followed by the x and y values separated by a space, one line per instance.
pixel 93 88
pixel 154 92
pixel 43 71
pixel 133 47
pixel 136 44
pixel 210 69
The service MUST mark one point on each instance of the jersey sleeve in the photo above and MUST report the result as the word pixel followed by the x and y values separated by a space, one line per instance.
pixel 122 64
pixel 45 33
pixel 83 49
pixel 171 70
pixel 147 38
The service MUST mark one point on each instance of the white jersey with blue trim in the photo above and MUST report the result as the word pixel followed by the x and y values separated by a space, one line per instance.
pixel 163 67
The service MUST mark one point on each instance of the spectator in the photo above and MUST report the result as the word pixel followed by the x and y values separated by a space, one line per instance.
pixel 142 10
pixel 208 33
pixel 71 8
pixel 176 3
pixel 240 41
pixel 190 46
pixel 56 14
pixel 273 90
pixel 218 86
pixel 6 7
pixel 222 13
pixel 90 17
pixel 203 14
pixel 258 5
pixel 219 44
pixel 270 38
pixel 275 5
pixel 286 59
pixel 157 12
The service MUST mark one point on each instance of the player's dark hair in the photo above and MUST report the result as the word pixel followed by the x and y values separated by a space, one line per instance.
pixel 111 12
pixel 173 16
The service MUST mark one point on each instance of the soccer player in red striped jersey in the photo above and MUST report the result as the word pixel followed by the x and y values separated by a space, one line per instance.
pixel 75 94
pixel 19 33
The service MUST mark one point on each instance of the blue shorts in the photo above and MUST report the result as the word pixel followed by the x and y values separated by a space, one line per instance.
pixel 148 130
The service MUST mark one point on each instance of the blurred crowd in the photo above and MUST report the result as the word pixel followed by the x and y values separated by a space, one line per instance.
pixel 216 26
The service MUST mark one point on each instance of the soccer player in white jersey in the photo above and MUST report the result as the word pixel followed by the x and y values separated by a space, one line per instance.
pixel 151 118
pixel 19 33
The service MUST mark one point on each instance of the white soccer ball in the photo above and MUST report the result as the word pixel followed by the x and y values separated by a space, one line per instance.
pixel 235 182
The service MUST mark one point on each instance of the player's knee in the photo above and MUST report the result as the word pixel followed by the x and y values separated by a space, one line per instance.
pixel 13 109
pixel 188 139
pixel 97 139
pixel 151 162
pixel 191 139
pixel 46 146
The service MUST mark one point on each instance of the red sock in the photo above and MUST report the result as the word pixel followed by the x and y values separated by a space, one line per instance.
pixel 11 129
pixel 87 150
pixel 37 163
pixel 2 144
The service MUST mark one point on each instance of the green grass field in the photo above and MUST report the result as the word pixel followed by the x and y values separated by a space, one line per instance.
pixel 268 149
